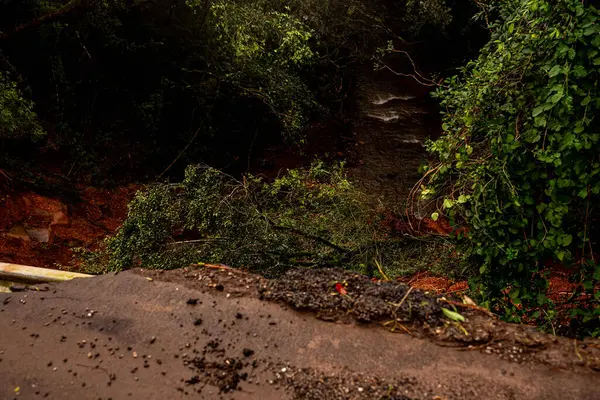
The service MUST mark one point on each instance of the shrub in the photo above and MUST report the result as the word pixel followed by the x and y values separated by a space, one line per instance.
pixel 518 162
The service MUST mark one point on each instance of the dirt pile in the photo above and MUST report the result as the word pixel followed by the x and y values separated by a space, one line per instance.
pixel 337 293
pixel 342 296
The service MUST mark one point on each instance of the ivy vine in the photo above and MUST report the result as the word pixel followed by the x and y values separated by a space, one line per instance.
pixel 519 160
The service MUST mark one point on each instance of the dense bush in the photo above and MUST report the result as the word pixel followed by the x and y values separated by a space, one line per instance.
pixel 518 162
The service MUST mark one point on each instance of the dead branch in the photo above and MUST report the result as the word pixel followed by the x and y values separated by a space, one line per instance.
pixel 47 17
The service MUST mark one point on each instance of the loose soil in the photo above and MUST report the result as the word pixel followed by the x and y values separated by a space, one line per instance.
pixel 214 332
pixel 47 232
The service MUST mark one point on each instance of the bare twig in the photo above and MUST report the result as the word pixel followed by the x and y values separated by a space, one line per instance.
pixel 207 240
pixel 410 289
pixel 180 154
pixel 94 367
pixel 397 325
pixel 6 175
pixel 217 266
pixel 416 76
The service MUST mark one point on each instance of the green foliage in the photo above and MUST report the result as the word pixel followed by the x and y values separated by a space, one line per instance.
pixel 260 52
pixel 17 118
pixel 311 217
pixel 255 35
pixel 519 158
pixel 428 12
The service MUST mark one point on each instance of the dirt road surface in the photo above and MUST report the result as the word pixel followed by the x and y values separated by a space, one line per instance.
pixel 214 334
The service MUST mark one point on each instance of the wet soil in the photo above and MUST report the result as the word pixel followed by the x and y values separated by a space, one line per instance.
pixel 44 231
pixel 336 294
pixel 204 332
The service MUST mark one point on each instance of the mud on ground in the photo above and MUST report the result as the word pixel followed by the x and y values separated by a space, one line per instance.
pixel 217 333
pixel 395 307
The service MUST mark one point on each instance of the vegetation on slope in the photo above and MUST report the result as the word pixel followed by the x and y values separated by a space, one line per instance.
pixel 518 163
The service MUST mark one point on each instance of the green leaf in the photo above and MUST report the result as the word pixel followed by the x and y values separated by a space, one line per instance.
pixel 462 199
pixel 540 121
pixel 554 71
pixel 538 110
pixel 541 298
pixel 590 30
pixel 586 101
pixel 566 239
pixel 435 216
pixel 556 97
pixel 448 203
pixel 579 71
pixel 453 315
pixel 560 255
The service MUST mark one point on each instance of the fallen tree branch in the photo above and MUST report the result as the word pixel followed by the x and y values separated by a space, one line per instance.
pixel 47 17
pixel 310 236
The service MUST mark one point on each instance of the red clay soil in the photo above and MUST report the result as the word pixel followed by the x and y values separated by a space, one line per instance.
pixel 44 232
pixel 197 333
pixel 436 284
pixel 560 288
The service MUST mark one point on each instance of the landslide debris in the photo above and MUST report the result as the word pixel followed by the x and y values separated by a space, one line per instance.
pixel 335 293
